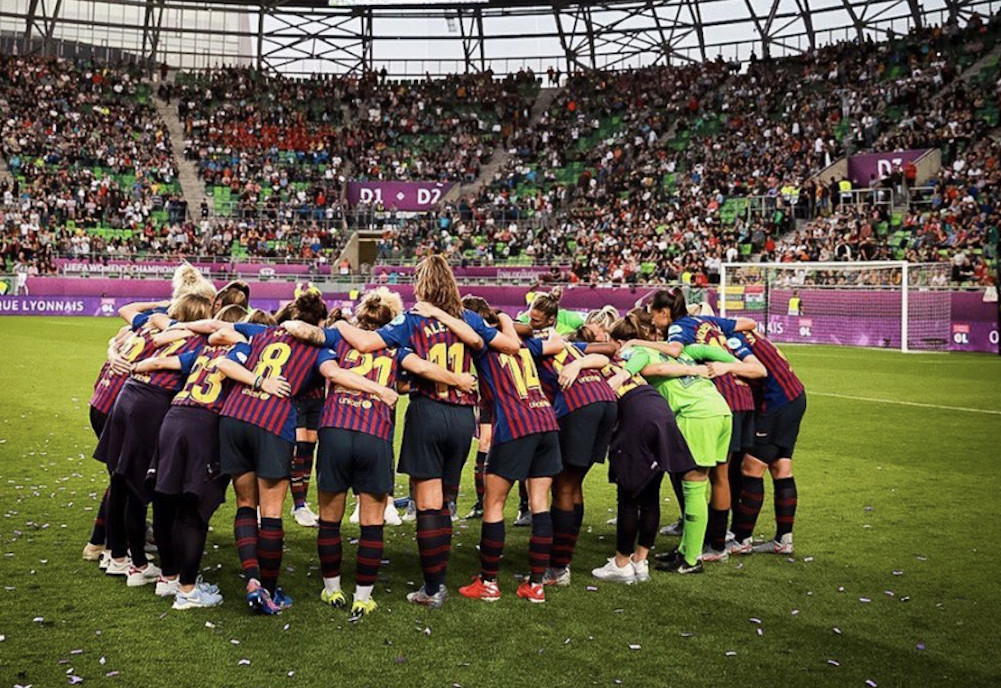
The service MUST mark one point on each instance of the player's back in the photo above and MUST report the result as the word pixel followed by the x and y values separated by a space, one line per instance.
pixel 511 383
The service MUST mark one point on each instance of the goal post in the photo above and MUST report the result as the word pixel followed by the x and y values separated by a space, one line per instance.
pixel 885 304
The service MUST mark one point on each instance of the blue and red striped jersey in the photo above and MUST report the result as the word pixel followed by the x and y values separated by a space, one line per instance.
pixel 589 387
pixel 137 347
pixel 434 342
pixel 359 411
pixel 206 386
pixel 512 385
pixel 633 382
pixel 273 352
pixel 781 386
pixel 702 330
pixel 186 350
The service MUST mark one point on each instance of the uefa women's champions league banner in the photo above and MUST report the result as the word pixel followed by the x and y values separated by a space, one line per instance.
pixel 402 196
pixel 86 305
pixel 154 268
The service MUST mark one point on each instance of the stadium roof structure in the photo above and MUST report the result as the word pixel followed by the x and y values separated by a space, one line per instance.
pixel 411 38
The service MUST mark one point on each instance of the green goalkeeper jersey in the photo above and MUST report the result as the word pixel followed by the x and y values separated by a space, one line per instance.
pixel 690 396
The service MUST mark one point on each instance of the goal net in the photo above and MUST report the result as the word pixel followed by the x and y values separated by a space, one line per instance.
pixel 890 305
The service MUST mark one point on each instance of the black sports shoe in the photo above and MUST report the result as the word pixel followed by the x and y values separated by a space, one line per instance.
pixel 670 555
pixel 679 565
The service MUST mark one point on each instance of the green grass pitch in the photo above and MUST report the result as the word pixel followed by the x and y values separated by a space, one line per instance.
pixel 894 580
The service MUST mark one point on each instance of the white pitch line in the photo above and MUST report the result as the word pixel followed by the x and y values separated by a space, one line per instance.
pixel 905 403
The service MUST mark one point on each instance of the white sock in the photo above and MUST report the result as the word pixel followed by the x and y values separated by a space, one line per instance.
pixel 332 584
pixel 363 593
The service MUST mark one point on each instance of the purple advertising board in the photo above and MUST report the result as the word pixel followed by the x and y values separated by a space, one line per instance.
pixel 405 196
pixel 938 320
pixel 862 167
pixel 108 306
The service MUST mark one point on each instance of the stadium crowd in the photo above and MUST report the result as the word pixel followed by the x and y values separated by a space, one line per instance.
pixel 648 175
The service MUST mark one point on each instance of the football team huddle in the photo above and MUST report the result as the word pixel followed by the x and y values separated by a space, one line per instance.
pixel 201 391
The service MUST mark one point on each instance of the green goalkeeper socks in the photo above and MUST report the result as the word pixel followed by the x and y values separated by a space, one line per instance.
pixel 696 520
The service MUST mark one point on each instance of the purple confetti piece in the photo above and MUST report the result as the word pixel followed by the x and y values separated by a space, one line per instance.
pixel 834 662
pixel 591 588
pixel 921 646
pixel 74 679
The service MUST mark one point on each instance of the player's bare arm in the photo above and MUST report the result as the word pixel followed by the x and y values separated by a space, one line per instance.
pixel 276 386
pixel 419 366
pixel 359 383
pixel 304 331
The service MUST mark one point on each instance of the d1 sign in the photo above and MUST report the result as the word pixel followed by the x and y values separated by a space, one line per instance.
pixel 404 196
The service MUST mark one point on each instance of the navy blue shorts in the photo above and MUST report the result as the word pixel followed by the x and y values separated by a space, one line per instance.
pixel 776 431
pixel 128 441
pixel 586 433
pixel 436 440
pixel 247 448
pixel 187 460
pixel 308 412
pixel 531 456
pixel 355 460
pixel 742 437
